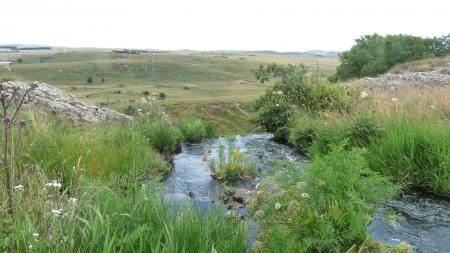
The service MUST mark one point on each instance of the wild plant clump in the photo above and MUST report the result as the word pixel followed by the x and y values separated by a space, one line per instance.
pixel 297 91
pixel 324 209
pixel 195 129
pixel 231 166
pixel 11 103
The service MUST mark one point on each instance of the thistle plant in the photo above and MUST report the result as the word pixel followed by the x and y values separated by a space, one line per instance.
pixel 11 102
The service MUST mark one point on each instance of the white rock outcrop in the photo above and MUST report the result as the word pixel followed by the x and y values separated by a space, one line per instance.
pixel 427 78
pixel 51 100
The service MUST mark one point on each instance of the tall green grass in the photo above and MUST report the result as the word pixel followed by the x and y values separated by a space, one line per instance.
pixel 105 220
pixel 101 150
pixel 163 135
pixel 195 129
pixel 416 153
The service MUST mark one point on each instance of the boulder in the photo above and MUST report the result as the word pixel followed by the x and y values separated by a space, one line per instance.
pixel 51 100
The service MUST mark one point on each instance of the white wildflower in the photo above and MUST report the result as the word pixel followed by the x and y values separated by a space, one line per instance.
pixel 277 206
pixel 304 195
pixel 433 107
pixel 277 105
pixel 257 186
pixel 18 187
pixel 394 100
pixel 30 246
pixel 57 212
pixel 231 214
pixel 139 110
pixel 279 93
pixel 364 94
pixel 35 235
pixel 72 201
pixel 54 183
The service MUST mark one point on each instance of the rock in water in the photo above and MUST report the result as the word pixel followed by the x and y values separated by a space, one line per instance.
pixel 49 99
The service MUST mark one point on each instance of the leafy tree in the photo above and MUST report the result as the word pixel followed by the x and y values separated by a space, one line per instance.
pixel 375 54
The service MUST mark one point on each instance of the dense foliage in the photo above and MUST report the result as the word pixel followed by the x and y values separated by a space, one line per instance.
pixel 296 90
pixel 375 54
pixel 324 209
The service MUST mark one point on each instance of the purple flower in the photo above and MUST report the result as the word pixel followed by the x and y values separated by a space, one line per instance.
pixel 6 120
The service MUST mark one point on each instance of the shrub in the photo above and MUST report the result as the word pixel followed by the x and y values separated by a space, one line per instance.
pixel 130 110
pixel 232 166
pixel 162 96
pixel 146 93
pixel 163 135
pixel 89 79
pixel 324 209
pixel 297 91
pixel 375 54
pixel 417 153
pixel 195 129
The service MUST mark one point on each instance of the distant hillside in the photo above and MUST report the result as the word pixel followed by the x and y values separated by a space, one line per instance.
pixel 305 53
pixel 24 47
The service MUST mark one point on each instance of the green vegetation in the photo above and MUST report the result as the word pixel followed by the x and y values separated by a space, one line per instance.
pixel 230 166
pixel 325 209
pixel 163 135
pixel 195 129
pixel 296 91
pixel 376 54
pixel 79 188
pixel 414 152
pixel 100 217
pixel 195 77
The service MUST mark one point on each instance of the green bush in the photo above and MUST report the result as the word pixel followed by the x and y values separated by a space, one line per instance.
pixel 163 135
pixel 297 91
pixel 195 129
pixel 376 54
pixel 417 153
pixel 324 209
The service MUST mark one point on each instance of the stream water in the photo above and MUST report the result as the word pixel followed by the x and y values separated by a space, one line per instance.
pixel 417 218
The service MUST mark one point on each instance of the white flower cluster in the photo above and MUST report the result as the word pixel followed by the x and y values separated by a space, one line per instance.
pixel 57 212
pixel 280 93
pixel 363 94
pixel 277 206
pixel 54 184
pixel 73 201
pixel 18 187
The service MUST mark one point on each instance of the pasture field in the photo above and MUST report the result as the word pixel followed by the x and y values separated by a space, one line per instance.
pixel 119 79
pixel 214 86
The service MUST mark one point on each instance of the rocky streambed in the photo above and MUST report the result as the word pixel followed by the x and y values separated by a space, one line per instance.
pixel 419 219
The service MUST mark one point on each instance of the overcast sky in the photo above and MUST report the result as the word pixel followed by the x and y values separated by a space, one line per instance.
pixel 283 25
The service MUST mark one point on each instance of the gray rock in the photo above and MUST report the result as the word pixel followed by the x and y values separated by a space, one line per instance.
pixel 49 99
pixel 427 78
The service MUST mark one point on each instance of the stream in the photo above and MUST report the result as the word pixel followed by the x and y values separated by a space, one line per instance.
pixel 417 218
